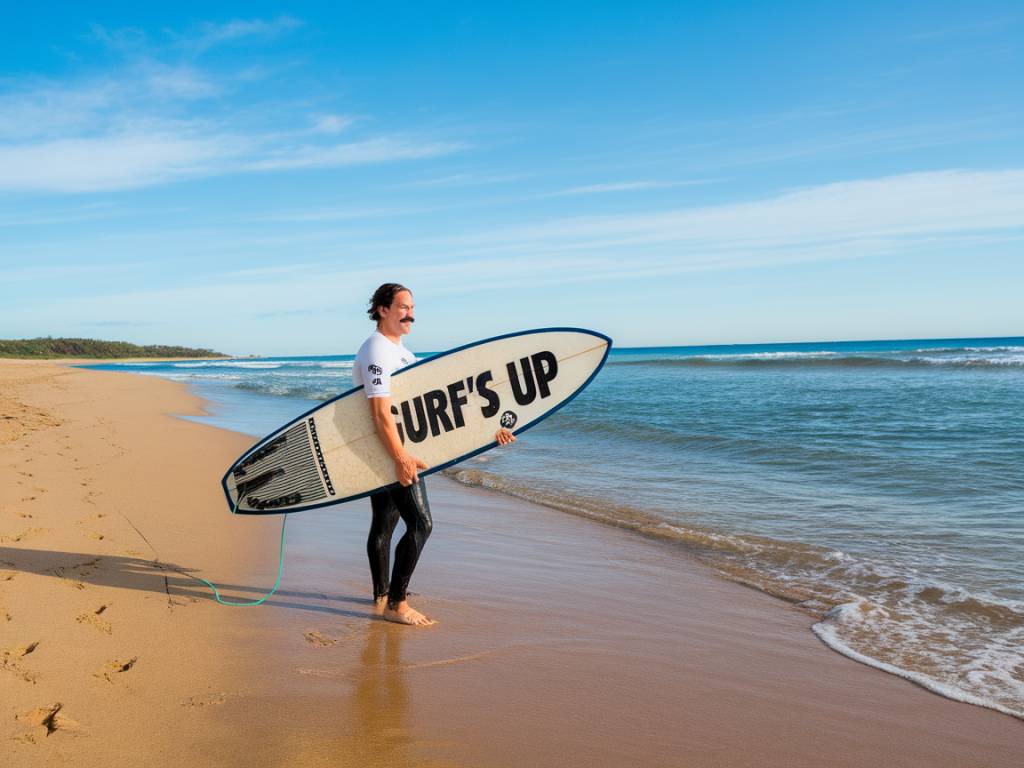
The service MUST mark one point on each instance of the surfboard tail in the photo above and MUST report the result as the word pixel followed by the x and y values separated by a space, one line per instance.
pixel 282 472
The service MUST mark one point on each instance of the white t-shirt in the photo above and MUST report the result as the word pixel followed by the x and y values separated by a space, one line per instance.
pixel 376 360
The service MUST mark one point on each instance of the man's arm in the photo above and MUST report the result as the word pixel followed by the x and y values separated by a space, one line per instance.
pixel 405 463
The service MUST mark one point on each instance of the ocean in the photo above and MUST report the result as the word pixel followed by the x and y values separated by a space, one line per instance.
pixel 877 485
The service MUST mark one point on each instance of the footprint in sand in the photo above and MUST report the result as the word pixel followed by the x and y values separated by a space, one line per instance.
pixel 11 655
pixel 10 661
pixel 27 533
pixel 45 721
pixel 115 667
pixel 205 699
pixel 313 637
pixel 91 518
pixel 93 620
pixel 69 574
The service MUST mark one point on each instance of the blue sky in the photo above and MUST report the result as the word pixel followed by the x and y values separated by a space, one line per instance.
pixel 243 176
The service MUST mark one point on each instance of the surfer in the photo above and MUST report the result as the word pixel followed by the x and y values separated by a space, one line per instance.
pixel 381 355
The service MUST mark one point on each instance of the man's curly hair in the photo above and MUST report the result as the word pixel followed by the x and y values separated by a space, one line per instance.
pixel 383 297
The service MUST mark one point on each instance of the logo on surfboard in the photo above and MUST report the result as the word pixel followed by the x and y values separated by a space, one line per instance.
pixel 509 419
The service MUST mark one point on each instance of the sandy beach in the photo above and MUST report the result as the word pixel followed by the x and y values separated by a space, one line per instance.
pixel 561 641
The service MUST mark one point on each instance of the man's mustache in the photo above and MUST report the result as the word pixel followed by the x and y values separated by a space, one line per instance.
pixel 407 320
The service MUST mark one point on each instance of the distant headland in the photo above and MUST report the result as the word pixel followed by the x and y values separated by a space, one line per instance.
pixel 94 348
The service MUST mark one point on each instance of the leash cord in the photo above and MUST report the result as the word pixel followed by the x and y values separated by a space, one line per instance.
pixel 246 603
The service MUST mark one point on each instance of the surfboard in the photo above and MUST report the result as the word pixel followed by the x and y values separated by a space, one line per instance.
pixel 447 409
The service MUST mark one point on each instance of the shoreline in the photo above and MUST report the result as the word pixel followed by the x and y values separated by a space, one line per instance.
pixel 659 661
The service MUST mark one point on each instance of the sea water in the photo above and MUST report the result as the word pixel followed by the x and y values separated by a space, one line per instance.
pixel 877 485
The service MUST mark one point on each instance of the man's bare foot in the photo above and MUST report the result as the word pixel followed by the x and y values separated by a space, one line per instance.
pixel 380 605
pixel 403 614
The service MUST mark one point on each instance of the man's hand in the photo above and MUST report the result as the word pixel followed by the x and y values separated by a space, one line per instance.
pixel 504 437
pixel 406 466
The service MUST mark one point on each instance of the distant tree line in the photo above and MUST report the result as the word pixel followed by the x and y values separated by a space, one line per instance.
pixel 94 348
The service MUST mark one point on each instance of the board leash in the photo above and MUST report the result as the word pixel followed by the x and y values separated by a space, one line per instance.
pixel 246 603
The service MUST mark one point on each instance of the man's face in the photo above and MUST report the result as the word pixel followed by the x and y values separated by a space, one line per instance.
pixel 397 319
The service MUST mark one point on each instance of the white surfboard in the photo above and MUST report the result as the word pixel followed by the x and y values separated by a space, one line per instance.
pixel 447 409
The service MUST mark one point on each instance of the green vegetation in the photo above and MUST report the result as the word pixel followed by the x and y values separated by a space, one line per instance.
pixel 93 348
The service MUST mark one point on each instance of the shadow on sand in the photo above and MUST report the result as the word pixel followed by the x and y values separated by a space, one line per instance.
pixel 171 579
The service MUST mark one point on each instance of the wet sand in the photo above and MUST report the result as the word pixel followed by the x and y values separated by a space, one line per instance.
pixel 561 641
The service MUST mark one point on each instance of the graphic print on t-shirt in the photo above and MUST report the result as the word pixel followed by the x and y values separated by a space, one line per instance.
pixel 377 359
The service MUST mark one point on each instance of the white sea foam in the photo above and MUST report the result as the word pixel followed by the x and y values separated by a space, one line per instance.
pixel 252 364
pixel 771 356
pixel 960 643
pixel 830 631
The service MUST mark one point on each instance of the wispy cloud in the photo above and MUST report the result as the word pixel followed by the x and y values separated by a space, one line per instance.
pixel 120 161
pixel 377 150
pixel 347 213
pixel 845 216
pixel 460 180
pixel 887 217
pixel 332 124
pixel 160 117
pixel 210 34
pixel 625 186
pixel 194 41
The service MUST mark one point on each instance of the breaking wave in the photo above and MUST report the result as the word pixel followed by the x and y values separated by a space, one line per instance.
pixel 1010 357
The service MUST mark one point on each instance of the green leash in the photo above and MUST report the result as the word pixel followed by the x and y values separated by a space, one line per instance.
pixel 280 572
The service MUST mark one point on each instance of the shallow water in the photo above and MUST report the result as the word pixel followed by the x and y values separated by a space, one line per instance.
pixel 877 484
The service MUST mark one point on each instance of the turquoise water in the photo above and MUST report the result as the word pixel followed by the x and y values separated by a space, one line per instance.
pixel 878 485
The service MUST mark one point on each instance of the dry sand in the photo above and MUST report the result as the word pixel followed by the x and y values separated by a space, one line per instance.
pixel 561 642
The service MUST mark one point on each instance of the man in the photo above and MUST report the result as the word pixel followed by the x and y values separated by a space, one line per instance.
pixel 378 358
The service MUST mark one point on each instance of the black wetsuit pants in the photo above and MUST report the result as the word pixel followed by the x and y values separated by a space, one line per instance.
pixel 409 503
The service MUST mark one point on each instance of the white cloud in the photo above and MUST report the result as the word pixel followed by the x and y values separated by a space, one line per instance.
pixel 211 34
pixel 122 133
pixel 331 124
pixel 149 91
pixel 905 206
pixel 44 108
pixel 178 82
pixel 378 150
pixel 461 180
pixel 625 186
pixel 159 117
pixel 120 161
pixel 169 153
